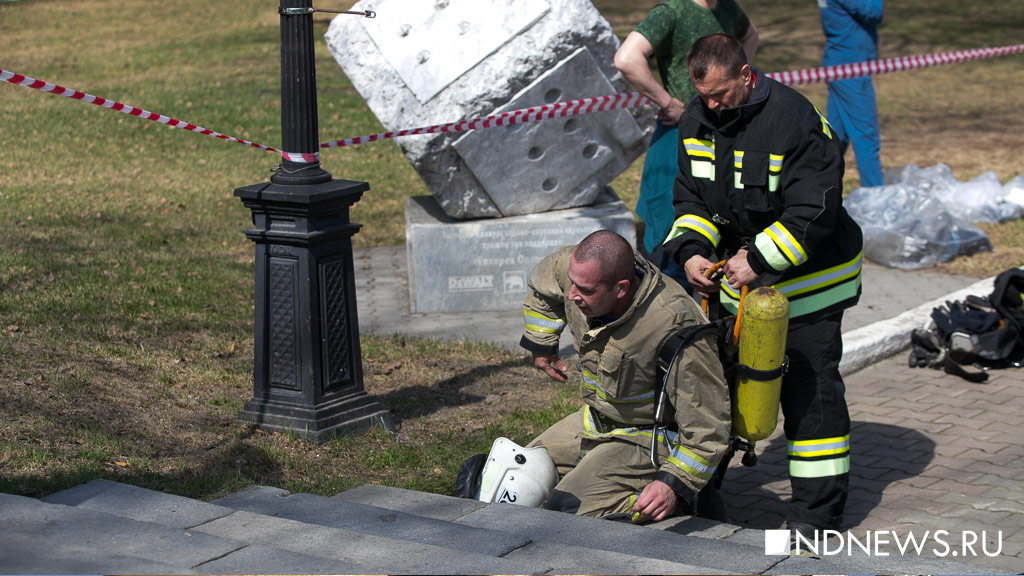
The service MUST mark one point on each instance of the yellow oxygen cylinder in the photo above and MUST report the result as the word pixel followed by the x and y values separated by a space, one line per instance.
pixel 763 322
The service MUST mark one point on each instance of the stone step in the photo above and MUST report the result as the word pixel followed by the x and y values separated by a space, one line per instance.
pixel 401 514
pixel 108 527
pixel 42 538
pixel 373 520
pixel 351 550
pixel 704 539
pixel 709 545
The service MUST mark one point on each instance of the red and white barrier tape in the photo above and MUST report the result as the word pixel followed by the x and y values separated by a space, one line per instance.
pixel 547 111
pixel 586 105
pixel 42 86
pixel 876 67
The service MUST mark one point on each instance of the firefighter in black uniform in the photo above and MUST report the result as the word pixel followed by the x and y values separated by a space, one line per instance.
pixel 760 186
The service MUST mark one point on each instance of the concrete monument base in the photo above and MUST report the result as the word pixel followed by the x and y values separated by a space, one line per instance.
pixel 470 265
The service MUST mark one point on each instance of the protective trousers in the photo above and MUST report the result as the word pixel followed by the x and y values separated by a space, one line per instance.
pixel 853 114
pixel 602 478
pixel 598 478
pixel 817 423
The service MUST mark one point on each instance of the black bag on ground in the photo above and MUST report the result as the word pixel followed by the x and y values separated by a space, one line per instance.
pixel 987 332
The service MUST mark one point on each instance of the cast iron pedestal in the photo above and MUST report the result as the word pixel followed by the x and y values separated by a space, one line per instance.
pixel 307 371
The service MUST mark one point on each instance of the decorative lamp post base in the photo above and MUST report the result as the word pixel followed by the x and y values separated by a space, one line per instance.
pixel 307 365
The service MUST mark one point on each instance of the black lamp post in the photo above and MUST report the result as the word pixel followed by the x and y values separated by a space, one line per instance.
pixel 307 366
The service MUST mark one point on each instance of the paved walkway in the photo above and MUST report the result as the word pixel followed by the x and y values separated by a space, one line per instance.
pixel 930 452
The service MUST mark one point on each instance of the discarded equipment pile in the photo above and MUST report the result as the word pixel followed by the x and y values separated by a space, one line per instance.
pixel 982 331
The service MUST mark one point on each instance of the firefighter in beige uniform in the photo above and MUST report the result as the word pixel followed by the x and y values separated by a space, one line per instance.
pixel 620 310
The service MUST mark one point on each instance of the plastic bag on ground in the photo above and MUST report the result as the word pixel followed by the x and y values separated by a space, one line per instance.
pixel 907 225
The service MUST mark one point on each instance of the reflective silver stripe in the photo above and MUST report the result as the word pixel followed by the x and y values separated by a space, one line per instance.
pixel 821 279
pixel 737 163
pixel 538 323
pixel 679 457
pixel 697 224
pixel 774 169
pixel 771 253
pixel 702 157
pixel 792 249
pixel 823 447
pixel 593 383
pixel 696 147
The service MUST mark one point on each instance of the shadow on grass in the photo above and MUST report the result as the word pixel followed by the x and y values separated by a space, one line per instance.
pixel 420 400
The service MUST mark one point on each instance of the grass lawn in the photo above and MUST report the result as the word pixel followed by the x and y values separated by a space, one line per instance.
pixel 126 311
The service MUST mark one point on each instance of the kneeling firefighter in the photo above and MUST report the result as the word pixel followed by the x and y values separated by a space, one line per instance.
pixel 752 347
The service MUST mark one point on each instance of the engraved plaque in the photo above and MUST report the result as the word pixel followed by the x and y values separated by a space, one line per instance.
pixel 485 264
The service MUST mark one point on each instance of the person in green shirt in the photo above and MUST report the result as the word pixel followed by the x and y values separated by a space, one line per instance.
pixel 666 34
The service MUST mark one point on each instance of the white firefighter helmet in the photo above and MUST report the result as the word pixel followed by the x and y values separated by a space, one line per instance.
pixel 523 476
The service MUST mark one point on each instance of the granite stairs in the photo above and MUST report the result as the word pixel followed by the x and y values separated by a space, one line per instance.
pixel 104 527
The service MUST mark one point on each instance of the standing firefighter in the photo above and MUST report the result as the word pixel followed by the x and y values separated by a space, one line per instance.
pixel 760 185
pixel 620 311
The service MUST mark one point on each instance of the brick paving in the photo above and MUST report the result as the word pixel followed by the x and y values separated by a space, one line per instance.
pixel 929 452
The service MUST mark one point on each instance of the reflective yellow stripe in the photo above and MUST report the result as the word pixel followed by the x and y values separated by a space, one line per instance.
pixel 819 468
pixel 539 323
pixel 787 244
pixel 737 163
pixel 593 383
pixel 630 502
pixel 679 456
pixel 702 157
pixel 822 300
pixel 690 463
pixel 825 127
pixel 697 224
pixel 821 279
pixel 819 447
pixel 697 147
pixel 835 284
pixel 774 170
pixel 775 258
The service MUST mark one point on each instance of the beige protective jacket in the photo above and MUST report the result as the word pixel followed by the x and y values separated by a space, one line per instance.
pixel 618 362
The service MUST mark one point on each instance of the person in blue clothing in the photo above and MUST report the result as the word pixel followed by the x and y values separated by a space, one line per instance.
pixel 851 35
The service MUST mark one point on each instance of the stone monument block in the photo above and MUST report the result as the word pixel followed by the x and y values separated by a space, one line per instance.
pixel 470 265
pixel 427 62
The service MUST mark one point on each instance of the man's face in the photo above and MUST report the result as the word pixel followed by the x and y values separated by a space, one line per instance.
pixel 594 297
pixel 720 91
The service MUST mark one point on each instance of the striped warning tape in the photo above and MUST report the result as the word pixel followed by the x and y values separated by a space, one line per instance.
pixel 797 77
pixel 547 111
pixel 876 67
pixel 42 86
